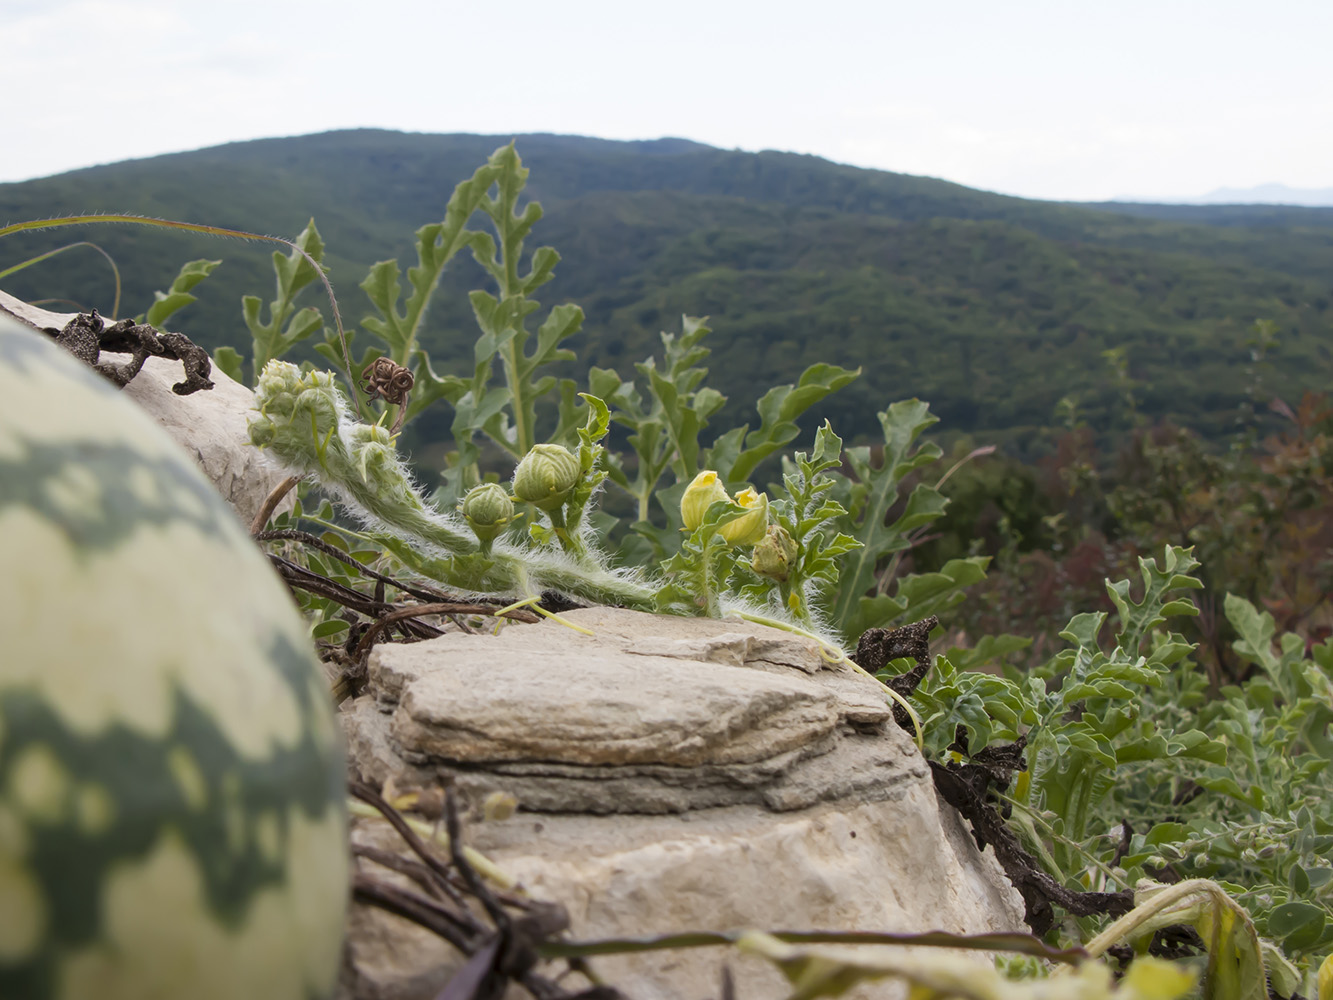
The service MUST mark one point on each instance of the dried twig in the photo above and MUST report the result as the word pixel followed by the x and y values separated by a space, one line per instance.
pixel 411 906
pixel 406 619
pixel 415 610
pixel 371 797
pixel 505 950
pixel 413 589
pixel 418 872
pixel 958 786
pixel 454 827
pixel 271 504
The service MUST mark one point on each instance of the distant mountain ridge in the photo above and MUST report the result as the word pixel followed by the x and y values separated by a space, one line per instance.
pixel 1261 194
pixel 991 307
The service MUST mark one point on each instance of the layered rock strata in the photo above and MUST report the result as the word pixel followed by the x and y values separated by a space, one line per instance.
pixel 673 774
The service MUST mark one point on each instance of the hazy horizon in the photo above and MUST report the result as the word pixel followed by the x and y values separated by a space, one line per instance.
pixel 1262 194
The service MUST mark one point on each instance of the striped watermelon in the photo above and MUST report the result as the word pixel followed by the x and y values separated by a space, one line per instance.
pixel 171 777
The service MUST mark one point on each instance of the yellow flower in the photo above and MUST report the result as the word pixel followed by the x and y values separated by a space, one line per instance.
pixel 749 528
pixel 1325 979
pixel 701 494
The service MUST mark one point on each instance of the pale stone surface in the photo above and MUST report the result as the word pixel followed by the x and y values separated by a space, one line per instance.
pixel 733 642
pixel 576 707
pixel 211 424
pixel 674 774
pixel 388 958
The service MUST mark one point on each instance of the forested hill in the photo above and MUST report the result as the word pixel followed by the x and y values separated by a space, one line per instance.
pixel 991 307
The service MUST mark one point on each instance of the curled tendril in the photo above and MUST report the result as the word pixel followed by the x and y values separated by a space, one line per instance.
pixel 385 379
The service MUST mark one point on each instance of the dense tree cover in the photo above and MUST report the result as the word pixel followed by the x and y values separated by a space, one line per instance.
pixel 993 308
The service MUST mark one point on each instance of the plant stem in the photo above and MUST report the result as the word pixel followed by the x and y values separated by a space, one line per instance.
pixel 570 543
pixel 510 287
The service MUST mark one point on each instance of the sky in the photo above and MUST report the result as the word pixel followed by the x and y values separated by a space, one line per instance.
pixel 1066 100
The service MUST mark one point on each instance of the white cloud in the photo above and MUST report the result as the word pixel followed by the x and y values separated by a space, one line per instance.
pixel 1037 97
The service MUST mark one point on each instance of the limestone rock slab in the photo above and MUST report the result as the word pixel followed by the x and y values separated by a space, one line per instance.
pixel 213 426
pixel 577 707
pixel 888 866
pixel 902 866
pixel 850 765
pixel 650 714
pixel 732 642
pixel 672 774
pixel 767 648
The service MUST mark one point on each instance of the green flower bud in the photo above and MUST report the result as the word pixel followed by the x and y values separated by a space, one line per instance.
pixel 546 476
pixel 278 377
pixel 748 529
pixel 285 395
pixel 373 452
pixel 774 554
pixel 488 509
pixel 701 494
pixel 262 431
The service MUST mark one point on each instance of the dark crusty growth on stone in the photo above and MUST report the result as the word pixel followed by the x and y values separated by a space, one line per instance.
pixel 87 335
